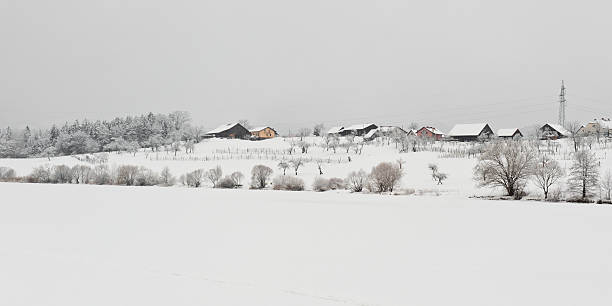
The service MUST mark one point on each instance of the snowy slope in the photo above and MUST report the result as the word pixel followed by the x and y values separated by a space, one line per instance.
pixel 103 245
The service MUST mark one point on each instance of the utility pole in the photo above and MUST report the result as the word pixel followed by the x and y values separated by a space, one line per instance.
pixel 562 105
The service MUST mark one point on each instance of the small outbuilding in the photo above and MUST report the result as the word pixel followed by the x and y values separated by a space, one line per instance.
pixel 336 130
pixel 263 132
pixel 471 132
pixel 230 130
pixel 554 131
pixel 509 134
pixel 431 132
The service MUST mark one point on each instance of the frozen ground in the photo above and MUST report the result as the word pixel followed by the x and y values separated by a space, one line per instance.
pixel 103 245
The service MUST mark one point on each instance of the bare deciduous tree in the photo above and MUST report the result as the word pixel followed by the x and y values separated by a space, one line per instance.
pixel 385 177
pixel 318 129
pixel 214 175
pixel 237 177
pixel 194 178
pixel 505 164
pixel 166 177
pixel 303 132
pixel 260 176
pixel 584 174
pixel 283 165
pixel 606 184
pixel 574 129
pixel 296 163
pixel 546 173
pixel 356 181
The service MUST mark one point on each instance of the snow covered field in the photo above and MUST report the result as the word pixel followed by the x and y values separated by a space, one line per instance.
pixel 106 245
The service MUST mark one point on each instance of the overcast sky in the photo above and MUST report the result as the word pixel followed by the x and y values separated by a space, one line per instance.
pixel 295 63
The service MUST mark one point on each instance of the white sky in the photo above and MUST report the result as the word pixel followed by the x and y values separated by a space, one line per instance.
pixel 295 63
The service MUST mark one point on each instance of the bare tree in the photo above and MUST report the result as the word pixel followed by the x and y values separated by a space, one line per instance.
pixel 194 178
pixel 320 167
pixel 62 174
pixel 81 174
pixel 318 129
pixel 400 162
pixel 303 132
pixel 574 129
pixel 166 177
pixel 546 173
pixel 356 181
pixel 214 175
pixel 126 175
pixel 296 163
pixel 236 178
pixel 584 174
pixel 385 177
pixel 606 183
pixel 175 146
pixel 505 164
pixel 283 165
pixel 436 175
pixel 260 176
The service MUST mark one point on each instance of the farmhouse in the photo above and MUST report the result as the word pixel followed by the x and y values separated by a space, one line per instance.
pixel 230 130
pixel 471 132
pixel 336 130
pixel 359 129
pixel 509 134
pixel 553 131
pixel 428 131
pixel 263 132
pixel 601 127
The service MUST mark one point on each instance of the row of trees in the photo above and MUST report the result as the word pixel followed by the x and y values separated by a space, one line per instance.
pixel 511 165
pixel 120 134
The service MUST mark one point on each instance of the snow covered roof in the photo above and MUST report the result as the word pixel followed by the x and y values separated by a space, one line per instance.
pixel 370 134
pixel 355 127
pixel 507 132
pixel 433 130
pixel 390 128
pixel 222 128
pixel 259 128
pixel 472 129
pixel 561 130
pixel 335 130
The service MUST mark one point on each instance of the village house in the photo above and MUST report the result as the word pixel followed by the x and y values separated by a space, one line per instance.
pixel 263 132
pixel 597 127
pixel 358 129
pixel 336 130
pixel 385 131
pixel 471 132
pixel 230 130
pixel 509 134
pixel 431 132
pixel 553 131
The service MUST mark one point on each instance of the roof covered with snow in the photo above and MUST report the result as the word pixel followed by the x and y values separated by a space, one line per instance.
pixel 433 130
pixel 561 130
pixel 335 130
pixel 472 129
pixel 370 134
pixel 355 127
pixel 222 128
pixel 259 128
pixel 507 132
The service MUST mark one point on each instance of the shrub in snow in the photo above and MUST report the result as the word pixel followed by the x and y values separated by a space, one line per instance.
pixel 126 175
pixel 606 184
pixel 62 174
pixel 287 182
pixel 320 184
pixel 384 177
pixel 237 178
pixel 146 177
pixel 260 176
pixel 226 182
pixel 81 174
pixel 101 175
pixel 194 178
pixel 505 164
pixel 7 174
pixel 41 174
pixel 336 183
pixel 356 181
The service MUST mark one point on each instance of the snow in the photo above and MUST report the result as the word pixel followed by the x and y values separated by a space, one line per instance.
pixel 259 128
pixel 75 245
pixel 355 127
pixel 561 130
pixel 435 131
pixel 335 130
pixel 472 129
pixel 506 132
pixel 222 128
pixel 371 133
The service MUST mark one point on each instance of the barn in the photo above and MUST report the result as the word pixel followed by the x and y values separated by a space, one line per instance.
pixel 263 132
pixel 432 132
pixel 471 132
pixel 358 129
pixel 230 130
pixel 553 131
pixel 336 130
pixel 509 134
